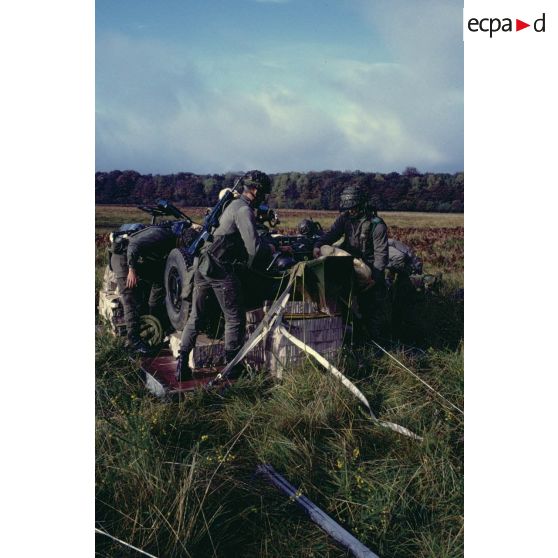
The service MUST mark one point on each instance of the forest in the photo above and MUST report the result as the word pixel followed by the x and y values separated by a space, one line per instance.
pixel 409 191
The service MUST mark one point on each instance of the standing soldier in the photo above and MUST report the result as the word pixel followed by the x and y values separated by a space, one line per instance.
pixel 235 242
pixel 365 237
pixel 140 269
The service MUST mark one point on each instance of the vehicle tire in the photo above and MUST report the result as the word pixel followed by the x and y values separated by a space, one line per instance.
pixel 151 331
pixel 178 298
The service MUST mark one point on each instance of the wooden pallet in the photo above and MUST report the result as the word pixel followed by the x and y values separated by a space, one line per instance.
pixel 159 375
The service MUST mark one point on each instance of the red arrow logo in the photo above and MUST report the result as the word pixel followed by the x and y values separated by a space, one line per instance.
pixel 519 25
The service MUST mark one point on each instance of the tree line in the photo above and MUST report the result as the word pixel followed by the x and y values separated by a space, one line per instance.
pixel 409 191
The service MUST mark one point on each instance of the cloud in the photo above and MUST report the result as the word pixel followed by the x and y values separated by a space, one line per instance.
pixel 162 107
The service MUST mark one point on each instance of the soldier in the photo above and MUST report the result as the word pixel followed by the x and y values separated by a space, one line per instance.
pixel 140 269
pixel 364 236
pixel 235 242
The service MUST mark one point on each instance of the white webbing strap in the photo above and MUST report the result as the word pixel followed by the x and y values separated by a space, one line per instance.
pixel 124 543
pixel 259 333
pixel 346 382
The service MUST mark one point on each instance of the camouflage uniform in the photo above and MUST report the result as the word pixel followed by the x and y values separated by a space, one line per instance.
pixel 365 237
pixel 235 242
pixel 146 253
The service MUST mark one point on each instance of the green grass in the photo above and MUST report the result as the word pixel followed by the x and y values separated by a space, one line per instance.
pixel 177 479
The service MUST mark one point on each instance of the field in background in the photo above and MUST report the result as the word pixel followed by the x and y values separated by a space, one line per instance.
pixel 110 217
pixel 177 479
pixel 437 237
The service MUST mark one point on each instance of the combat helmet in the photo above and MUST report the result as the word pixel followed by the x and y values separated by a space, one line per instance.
pixel 259 180
pixel 309 227
pixel 306 227
pixel 284 262
pixel 352 197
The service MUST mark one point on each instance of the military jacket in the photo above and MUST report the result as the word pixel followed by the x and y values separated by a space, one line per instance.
pixel 236 239
pixel 362 237
pixel 150 246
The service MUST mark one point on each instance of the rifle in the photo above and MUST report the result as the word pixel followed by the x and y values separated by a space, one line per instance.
pixel 211 222
pixel 164 208
pixel 301 245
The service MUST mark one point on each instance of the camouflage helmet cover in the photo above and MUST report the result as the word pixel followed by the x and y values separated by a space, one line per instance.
pixel 351 198
pixel 259 180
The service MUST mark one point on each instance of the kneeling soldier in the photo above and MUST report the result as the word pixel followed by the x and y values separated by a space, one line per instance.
pixel 364 236
pixel 140 269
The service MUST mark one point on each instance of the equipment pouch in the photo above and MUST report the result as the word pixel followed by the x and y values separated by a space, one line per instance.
pixel 188 285
pixel 210 267
pixel 119 245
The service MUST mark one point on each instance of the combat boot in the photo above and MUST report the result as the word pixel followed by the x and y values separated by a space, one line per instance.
pixel 139 347
pixel 183 370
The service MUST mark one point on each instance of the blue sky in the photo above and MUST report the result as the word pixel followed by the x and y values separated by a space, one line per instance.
pixel 281 85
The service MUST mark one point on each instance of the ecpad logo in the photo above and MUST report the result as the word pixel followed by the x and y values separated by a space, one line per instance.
pixel 493 25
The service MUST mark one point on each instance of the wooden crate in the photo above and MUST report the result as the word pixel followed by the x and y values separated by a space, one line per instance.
pixel 323 333
pixel 207 352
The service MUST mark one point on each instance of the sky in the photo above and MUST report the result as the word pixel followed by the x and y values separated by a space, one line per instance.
pixel 214 86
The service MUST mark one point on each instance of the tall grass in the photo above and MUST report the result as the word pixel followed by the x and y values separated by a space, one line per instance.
pixel 178 478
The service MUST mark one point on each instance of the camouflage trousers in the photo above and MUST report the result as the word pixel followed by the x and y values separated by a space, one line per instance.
pixel 229 296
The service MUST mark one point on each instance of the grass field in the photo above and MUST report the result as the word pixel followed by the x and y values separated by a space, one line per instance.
pixel 177 479
pixel 110 217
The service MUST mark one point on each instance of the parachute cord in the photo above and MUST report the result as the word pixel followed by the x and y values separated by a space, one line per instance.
pixel 417 377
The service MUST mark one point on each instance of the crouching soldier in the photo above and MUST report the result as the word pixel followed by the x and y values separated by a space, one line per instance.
pixel 364 236
pixel 235 242
pixel 139 270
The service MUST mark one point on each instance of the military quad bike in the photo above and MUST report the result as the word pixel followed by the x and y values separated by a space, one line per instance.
pixel 259 284
pixel 315 311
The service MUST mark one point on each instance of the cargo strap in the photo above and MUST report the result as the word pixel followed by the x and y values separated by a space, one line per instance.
pixel 263 329
pixel 347 383
pixel 272 320
pixel 124 543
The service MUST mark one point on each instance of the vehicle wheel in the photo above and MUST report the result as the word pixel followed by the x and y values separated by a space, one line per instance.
pixel 151 330
pixel 178 298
